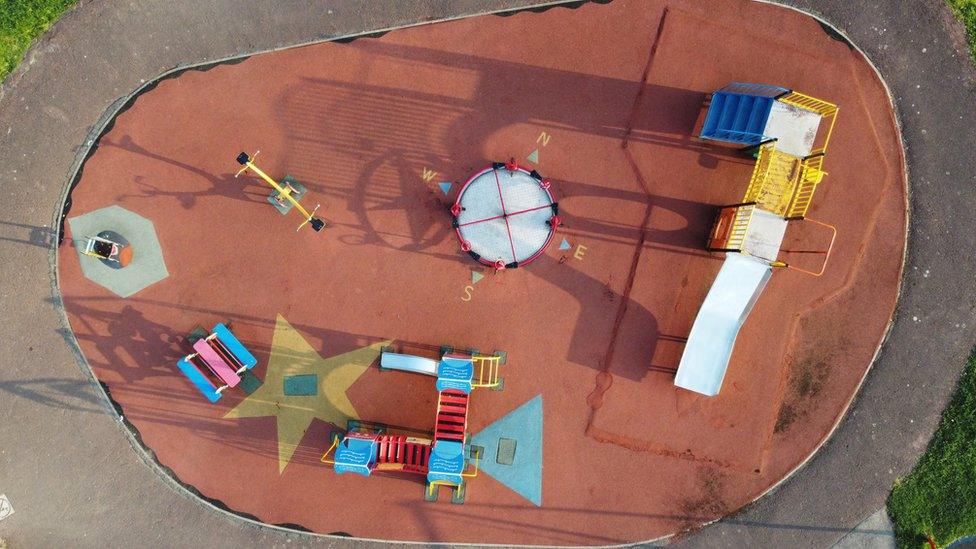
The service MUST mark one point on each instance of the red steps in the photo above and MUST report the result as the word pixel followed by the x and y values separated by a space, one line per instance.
pixel 452 416
pixel 400 450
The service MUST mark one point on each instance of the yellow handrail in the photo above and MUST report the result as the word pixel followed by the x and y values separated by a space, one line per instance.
pixel 335 443
pixel 472 475
pixel 811 174
pixel 819 106
pixel 758 174
pixel 784 184
pixel 826 253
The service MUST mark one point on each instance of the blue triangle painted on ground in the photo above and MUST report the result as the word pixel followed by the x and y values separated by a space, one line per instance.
pixel 476 276
pixel 524 425
pixel 534 156
pixel 564 245
pixel 445 187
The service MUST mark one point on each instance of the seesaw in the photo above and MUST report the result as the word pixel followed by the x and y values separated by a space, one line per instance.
pixel 285 196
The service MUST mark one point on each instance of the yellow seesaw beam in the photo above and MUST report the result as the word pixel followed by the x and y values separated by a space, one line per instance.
pixel 247 162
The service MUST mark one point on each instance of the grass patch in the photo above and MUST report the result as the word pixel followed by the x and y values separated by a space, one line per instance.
pixel 938 498
pixel 965 10
pixel 21 21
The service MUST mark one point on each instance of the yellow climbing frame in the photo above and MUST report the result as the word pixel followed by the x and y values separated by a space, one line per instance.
pixel 784 184
pixel 488 367
pixel 827 111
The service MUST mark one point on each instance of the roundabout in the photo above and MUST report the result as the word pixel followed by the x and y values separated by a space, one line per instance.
pixel 505 226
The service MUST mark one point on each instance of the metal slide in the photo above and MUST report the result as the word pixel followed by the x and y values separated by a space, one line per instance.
pixel 409 363
pixel 728 303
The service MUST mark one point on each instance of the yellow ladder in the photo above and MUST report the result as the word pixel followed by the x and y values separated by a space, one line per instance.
pixel 488 367
pixel 740 226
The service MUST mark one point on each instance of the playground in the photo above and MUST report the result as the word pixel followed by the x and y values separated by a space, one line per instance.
pixel 620 404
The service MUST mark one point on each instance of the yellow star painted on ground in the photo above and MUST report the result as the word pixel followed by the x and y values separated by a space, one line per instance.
pixel 291 355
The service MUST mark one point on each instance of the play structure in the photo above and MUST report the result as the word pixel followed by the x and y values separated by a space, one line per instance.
pixel 286 194
pixel 447 458
pixel 788 133
pixel 217 362
pixel 505 216
pixel 109 248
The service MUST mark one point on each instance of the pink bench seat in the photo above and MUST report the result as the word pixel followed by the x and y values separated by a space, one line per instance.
pixel 216 363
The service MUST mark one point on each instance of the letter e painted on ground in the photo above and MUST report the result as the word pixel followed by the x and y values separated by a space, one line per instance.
pixel 580 250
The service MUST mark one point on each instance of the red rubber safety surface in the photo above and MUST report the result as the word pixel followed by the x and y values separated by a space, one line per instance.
pixel 596 330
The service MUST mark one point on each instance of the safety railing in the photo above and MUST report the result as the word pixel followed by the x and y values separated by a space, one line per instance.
pixel 811 174
pixel 825 253
pixel 740 226
pixel 828 112
pixel 335 443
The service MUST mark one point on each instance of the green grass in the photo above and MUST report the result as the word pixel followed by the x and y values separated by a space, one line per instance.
pixel 966 12
pixel 21 21
pixel 938 498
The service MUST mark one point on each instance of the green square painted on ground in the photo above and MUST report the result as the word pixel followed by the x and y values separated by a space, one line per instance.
pixel 249 382
pixel 506 451
pixel 302 385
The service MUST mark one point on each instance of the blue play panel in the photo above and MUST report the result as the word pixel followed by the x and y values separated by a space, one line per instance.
pixel 738 113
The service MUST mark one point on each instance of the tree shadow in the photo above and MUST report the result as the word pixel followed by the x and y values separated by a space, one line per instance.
pixel 224 185
pixel 42 237
pixel 67 394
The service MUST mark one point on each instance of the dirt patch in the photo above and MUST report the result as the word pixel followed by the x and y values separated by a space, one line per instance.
pixel 806 380
pixel 711 501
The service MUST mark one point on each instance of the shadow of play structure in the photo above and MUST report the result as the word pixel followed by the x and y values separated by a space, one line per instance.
pixel 788 133
pixel 446 460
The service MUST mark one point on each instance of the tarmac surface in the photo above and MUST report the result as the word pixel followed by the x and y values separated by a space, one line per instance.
pixel 53 399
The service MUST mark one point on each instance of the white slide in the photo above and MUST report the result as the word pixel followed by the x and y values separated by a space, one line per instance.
pixel 728 303
pixel 409 363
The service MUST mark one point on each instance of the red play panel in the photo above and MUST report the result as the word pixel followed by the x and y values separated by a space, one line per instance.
pixel 371 128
